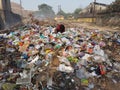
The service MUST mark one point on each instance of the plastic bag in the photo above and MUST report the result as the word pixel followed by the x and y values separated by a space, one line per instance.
pixel 63 68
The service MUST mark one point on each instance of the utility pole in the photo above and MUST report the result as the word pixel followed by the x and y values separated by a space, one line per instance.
pixel 59 8
pixel 94 11
pixel 21 8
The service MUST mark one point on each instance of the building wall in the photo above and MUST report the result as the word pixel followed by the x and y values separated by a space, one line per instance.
pixel 5 5
pixel 89 13
pixel 1 5
pixel 59 18
pixel 88 20
pixel 6 15
pixel 2 16
pixel 98 7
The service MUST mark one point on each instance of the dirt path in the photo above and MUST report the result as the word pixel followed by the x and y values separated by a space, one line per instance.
pixel 90 26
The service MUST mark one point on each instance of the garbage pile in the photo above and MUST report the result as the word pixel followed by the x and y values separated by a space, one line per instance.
pixel 36 58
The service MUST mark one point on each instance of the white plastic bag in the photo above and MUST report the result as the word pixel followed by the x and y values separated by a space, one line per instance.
pixel 63 68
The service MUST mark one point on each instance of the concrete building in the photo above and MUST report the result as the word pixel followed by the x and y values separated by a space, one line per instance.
pixel 95 5
pixel 89 13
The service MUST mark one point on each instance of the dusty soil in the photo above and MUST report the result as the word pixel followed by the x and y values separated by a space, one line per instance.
pixel 93 26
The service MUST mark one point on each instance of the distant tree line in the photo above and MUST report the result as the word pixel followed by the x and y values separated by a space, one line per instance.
pixel 75 13
pixel 46 9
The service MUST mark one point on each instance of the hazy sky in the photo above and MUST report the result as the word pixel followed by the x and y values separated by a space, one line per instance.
pixel 66 5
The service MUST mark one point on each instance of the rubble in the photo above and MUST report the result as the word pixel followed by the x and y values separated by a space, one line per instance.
pixel 35 58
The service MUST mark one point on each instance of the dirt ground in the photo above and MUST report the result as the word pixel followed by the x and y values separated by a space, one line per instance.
pixel 93 26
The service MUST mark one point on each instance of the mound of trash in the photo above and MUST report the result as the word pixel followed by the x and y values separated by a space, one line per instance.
pixel 35 58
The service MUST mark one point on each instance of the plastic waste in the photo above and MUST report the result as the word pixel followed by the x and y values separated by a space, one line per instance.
pixel 98 51
pixel 78 53
pixel 35 59
pixel 10 49
pixel 64 60
pixel 64 68
pixel 84 82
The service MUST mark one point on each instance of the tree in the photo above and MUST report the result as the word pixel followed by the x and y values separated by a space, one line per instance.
pixel 61 12
pixel 44 6
pixel 77 12
pixel 45 11
pixel 114 7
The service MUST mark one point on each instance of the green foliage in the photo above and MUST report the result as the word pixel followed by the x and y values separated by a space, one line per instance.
pixel 77 12
pixel 66 15
pixel 45 6
pixel 61 12
pixel 45 11
pixel 114 7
